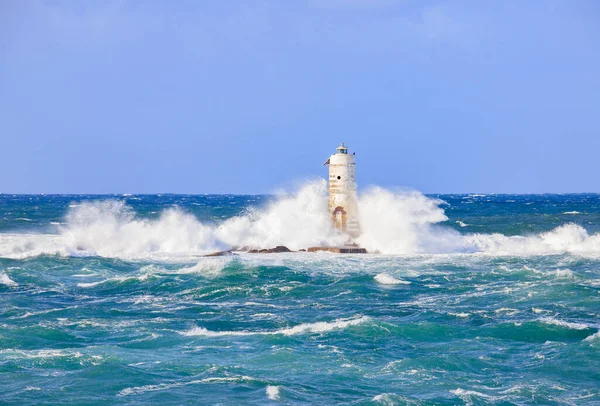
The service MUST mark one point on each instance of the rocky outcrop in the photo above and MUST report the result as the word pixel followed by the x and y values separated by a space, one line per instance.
pixel 220 254
pixel 277 249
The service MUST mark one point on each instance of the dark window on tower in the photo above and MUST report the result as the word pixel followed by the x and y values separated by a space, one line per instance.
pixel 339 177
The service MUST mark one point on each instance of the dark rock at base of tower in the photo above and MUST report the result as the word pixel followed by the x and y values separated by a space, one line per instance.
pixel 277 249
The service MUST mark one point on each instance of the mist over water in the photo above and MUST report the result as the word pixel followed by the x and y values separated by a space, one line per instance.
pixel 472 299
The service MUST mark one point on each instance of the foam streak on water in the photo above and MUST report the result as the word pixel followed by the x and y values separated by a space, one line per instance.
pixel 473 299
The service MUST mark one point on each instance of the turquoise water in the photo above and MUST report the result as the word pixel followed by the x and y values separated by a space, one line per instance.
pixel 107 300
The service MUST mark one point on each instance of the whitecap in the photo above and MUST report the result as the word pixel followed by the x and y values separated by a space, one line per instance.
pixel 387 279
pixel 226 379
pixel 16 353
pixel 506 310
pixel 594 337
pixel 304 328
pixel 272 392
pixel 572 212
pixel 567 324
pixel 461 315
pixel 136 390
pixel 210 266
pixel 466 394
pixel 564 273
pixel 90 284
pixel 29 314
pixel 5 280
pixel 383 398
pixel 119 279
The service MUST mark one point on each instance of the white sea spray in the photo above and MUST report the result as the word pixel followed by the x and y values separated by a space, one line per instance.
pixel 392 222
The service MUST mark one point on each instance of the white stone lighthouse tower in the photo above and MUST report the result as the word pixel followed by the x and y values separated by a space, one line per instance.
pixel 342 191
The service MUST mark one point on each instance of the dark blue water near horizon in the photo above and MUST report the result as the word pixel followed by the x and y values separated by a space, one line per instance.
pixel 108 300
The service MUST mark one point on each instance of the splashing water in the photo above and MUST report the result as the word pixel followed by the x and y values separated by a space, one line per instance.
pixel 394 223
pixel 404 223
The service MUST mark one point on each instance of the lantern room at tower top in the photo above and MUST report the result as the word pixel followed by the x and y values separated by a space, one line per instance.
pixel 342 149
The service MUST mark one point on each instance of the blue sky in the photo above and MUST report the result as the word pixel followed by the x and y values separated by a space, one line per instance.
pixel 251 96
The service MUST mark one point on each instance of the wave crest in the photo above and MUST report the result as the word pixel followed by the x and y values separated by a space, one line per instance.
pixel 305 328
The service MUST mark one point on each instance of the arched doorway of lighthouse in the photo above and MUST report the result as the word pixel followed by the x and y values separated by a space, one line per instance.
pixel 339 218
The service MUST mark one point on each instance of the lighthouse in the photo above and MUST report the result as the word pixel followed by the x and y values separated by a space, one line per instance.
pixel 343 207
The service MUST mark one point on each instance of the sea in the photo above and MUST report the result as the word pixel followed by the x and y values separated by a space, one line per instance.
pixel 474 299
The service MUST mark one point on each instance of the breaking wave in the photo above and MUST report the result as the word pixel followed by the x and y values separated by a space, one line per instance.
pixel 5 280
pixel 395 223
pixel 565 324
pixel 387 279
pixel 305 328
pixel 116 280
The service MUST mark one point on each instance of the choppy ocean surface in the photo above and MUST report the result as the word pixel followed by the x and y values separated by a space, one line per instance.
pixel 472 299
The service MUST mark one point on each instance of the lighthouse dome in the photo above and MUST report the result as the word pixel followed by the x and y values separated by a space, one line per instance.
pixel 342 149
